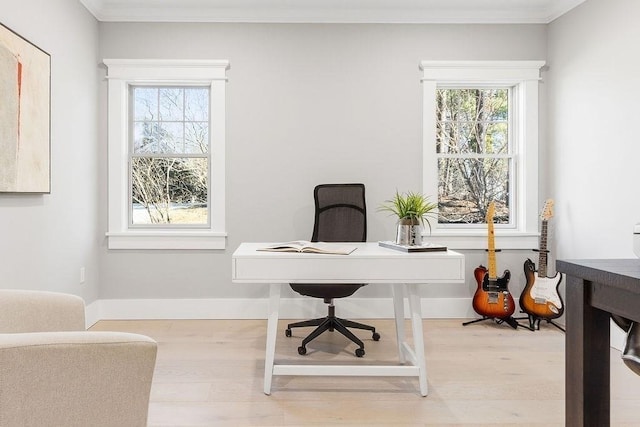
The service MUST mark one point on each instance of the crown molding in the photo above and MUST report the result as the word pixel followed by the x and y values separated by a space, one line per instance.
pixel 332 11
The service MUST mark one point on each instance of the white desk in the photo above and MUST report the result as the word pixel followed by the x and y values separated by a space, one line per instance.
pixel 369 263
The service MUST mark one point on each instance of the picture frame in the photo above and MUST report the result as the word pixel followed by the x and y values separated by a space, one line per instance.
pixel 25 115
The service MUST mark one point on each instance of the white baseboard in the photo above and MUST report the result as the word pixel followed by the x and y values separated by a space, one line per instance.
pixel 251 308
pixel 291 308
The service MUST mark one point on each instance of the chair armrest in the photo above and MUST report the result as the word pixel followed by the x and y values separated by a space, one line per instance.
pixel 75 378
pixel 40 311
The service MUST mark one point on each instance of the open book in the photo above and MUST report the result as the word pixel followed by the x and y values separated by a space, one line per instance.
pixel 310 247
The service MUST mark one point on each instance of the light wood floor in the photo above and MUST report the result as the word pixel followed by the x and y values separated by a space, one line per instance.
pixel 210 373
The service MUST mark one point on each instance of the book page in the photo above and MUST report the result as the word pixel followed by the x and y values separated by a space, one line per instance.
pixel 328 248
pixel 293 246
pixel 309 247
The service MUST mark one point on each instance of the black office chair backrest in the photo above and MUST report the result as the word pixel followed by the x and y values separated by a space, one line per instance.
pixel 341 213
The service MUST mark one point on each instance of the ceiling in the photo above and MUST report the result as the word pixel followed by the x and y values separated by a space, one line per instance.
pixel 332 11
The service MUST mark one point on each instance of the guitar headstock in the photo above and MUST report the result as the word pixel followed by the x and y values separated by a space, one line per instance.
pixel 547 210
pixel 491 212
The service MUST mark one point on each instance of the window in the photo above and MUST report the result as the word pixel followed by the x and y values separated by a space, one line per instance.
pixel 481 145
pixel 169 156
pixel 166 154
pixel 475 156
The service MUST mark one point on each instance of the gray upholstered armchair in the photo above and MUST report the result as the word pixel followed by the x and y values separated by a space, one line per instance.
pixel 54 373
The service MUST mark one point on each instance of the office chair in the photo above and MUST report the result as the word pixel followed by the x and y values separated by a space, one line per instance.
pixel 340 216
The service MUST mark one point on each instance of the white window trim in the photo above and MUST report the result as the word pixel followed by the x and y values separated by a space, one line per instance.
pixel 523 76
pixel 121 74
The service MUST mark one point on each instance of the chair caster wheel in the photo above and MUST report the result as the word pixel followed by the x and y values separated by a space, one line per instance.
pixel 287 332
pixel 376 336
pixel 359 352
pixel 302 351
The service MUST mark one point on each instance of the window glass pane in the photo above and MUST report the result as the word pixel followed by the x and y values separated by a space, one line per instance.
pixel 179 124
pixel 456 105
pixel 196 138
pixel 472 121
pixel 196 104
pixel 145 105
pixel 169 191
pixel 476 138
pixel 467 186
pixel 145 137
pixel 171 104
pixel 472 105
pixel 495 137
pixel 171 137
pixel 154 137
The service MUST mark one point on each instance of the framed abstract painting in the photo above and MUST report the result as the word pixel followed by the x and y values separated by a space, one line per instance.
pixel 25 100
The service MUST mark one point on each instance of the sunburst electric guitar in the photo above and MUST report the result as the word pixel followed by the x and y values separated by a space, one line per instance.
pixel 540 297
pixel 492 298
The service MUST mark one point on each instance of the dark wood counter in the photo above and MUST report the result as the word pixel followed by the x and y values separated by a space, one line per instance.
pixel 595 289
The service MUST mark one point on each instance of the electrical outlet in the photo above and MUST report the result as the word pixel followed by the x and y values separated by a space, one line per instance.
pixel 82 275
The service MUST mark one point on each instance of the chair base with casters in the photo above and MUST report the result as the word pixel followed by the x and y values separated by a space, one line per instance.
pixel 332 323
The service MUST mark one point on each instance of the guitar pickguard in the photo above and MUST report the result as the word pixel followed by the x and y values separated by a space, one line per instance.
pixel 544 291
pixel 499 284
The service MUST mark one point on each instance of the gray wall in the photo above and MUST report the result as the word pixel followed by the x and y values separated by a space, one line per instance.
pixel 306 104
pixel 46 239
pixel 593 139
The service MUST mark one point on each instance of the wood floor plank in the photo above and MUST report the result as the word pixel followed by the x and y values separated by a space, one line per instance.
pixel 210 373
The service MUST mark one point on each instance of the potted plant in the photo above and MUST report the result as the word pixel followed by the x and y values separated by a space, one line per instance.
pixel 413 211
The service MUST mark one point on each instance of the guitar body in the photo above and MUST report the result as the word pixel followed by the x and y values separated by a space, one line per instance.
pixel 492 297
pixel 540 296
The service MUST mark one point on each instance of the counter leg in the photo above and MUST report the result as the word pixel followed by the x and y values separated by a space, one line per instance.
pixel 587 354
pixel 272 332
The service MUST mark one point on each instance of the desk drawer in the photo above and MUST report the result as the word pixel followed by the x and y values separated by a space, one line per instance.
pixel 348 270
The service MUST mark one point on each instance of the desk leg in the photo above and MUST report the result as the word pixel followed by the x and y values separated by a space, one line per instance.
pixel 587 357
pixel 398 310
pixel 418 338
pixel 272 331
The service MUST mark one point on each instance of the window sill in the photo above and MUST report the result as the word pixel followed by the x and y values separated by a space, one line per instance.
pixel 478 240
pixel 166 240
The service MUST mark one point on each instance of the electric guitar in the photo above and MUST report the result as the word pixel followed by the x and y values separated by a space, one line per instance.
pixel 540 297
pixel 492 298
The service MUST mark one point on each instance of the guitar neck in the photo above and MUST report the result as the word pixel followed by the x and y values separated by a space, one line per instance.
pixel 491 245
pixel 542 258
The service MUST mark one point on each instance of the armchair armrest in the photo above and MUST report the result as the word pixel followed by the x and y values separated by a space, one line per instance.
pixel 75 378
pixel 40 311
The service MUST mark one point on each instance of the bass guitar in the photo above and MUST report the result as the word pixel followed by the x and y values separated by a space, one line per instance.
pixel 540 297
pixel 492 297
